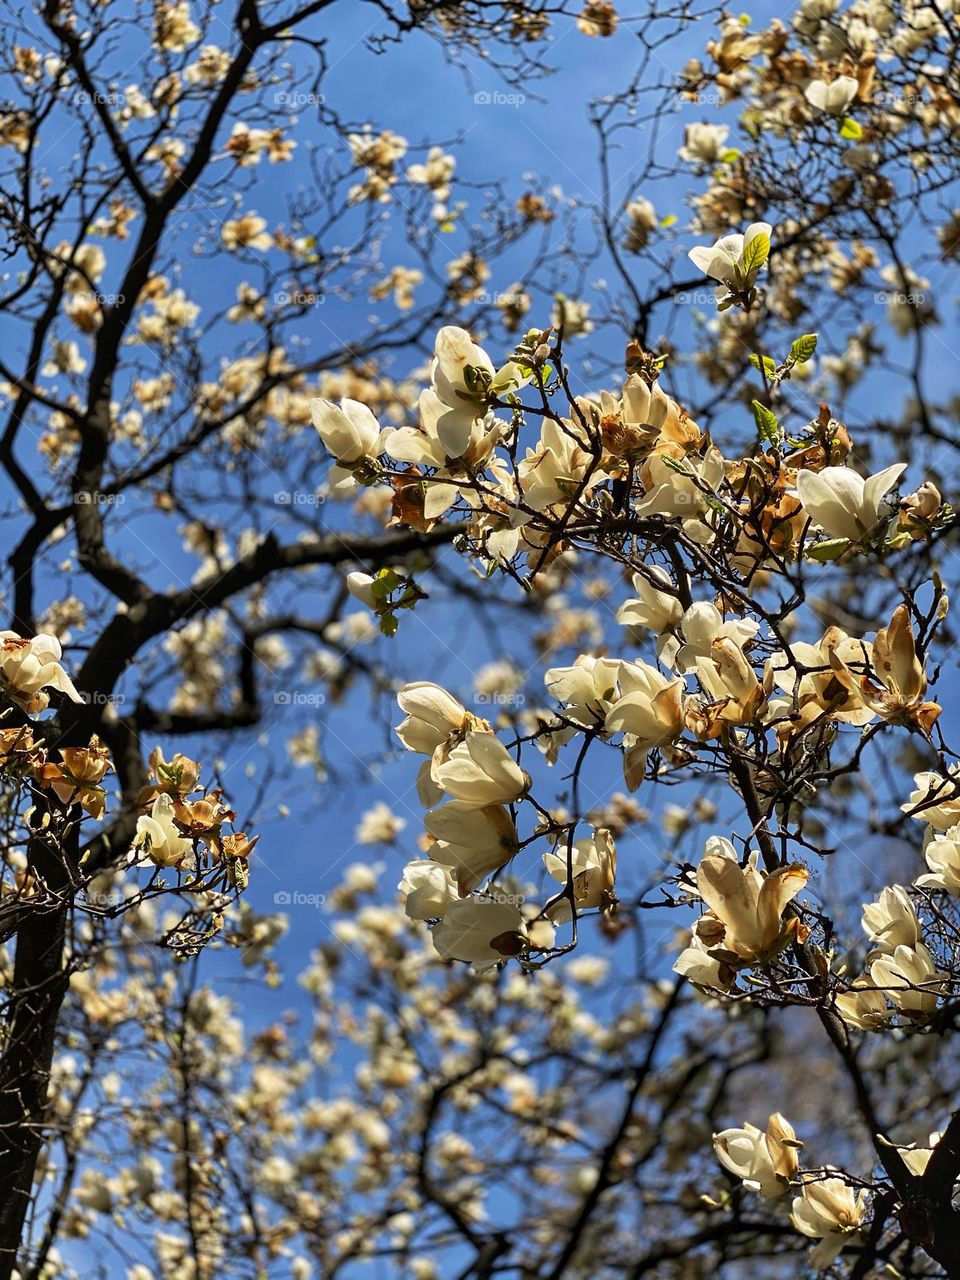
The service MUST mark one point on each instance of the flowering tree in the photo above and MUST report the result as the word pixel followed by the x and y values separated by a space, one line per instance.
pixel 715 570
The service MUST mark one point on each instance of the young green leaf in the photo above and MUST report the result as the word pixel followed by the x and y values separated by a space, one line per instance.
pixel 832 549
pixel 768 426
pixel 756 253
pixel 803 348
pixel 769 367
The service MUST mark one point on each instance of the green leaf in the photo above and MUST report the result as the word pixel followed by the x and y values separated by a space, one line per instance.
pixel 730 155
pixel 669 220
pixel 756 253
pixel 769 368
pixel 850 129
pixel 803 348
pixel 832 549
pixel 768 426
pixel 389 624
pixel 673 465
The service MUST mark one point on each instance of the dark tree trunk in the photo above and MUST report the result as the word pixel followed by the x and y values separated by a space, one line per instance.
pixel 39 986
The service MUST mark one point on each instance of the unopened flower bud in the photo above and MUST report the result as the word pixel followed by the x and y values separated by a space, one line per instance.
pixel 921 505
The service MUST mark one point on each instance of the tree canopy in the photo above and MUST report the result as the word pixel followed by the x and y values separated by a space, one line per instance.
pixel 479 785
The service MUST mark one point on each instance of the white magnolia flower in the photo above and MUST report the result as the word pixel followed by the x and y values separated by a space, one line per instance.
pixel 360 586
pixel 554 470
pixel 653 609
pixel 817 690
pixel 641 220
pixel 349 432
pixel 936 799
pixel 831 1211
pixel 428 888
pixel 732 692
pixel 699 967
pixel 572 315
pixel 833 98
pixel 481 931
pixel 594 868
pixel 863 1005
pixel 480 771
pixel 917 1158
pixel 472 842
pixel 29 667
pixel 447 438
pixel 435 173
pixel 733 261
pixel 432 716
pixel 892 920
pixel 158 836
pixel 765 1162
pixel 459 367
pixel 379 825
pixel 749 905
pixel 587 689
pixel 668 492
pixel 644 405
pixel 650 707
pixel 907 298
pixel 843 503
pixel 703 143
pixel 910 979
pixel 247 232
pixel 942 852
pixel 701 626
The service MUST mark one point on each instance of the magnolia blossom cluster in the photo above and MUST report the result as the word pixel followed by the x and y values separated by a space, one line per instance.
pixel 185 831
pixel 720 671
pixel 471 786
pixel 744 922
pixel 176 829
pixel 827 1207
pixel 719 552
pixel 470 451
pixel 29 668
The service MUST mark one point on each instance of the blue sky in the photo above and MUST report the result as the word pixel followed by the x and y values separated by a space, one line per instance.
pixel 412 89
